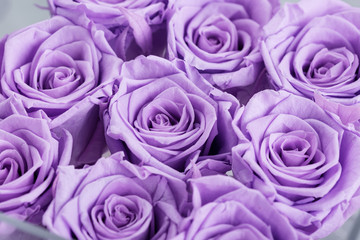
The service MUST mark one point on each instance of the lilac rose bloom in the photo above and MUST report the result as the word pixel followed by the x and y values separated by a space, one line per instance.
pixel 311 49
pixel 115 199
pixel 29 156
pixel 163 112
pixel 131 27
pixel 226 209
pixel 220 38
pixel 300 158
pixel 53 66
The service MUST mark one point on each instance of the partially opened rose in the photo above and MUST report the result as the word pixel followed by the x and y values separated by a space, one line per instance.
pixel 29 157
pixel 53 66
pixel 164 111
pixel 226 209
pixel 131 27
pixel 220 38
pixel 300 158
pixel 115 199
pixel 311 49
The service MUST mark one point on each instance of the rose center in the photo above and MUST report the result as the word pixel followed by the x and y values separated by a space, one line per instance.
pixel 330 67
pixel 321 71
pixel 208 41
pixel 60 77
pixel 213 40
pixel 161 119
pixel 216 34
pixel 117 212
pixel 4 171
pixel 9 170
pixel 121 216
pixel 292 149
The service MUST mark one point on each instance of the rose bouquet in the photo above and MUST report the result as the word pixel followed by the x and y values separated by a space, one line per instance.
pixel 178 119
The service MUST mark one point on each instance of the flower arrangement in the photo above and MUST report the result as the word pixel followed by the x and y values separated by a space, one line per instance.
pixel 178 119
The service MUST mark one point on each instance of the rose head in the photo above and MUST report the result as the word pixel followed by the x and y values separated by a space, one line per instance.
pixel 311 49
pixel 220 38
pixel 114 199
pixel 29 157
pixel 53 66
pixel 131 27
pixel 163 115
pixel 299 157
pixel 226 209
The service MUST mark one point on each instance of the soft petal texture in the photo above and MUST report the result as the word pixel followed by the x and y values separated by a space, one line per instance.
pixel 226 209
pixel 54 66
pixel 300 158
pixel 220 38
pixel 164 111
pixel 199 166
pixel 29 156
pixel 131 27
pixel 115 199
pixel 311 49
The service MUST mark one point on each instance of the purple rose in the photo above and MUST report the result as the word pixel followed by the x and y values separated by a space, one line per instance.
pixel 165 111
pixel 53 66
pixel 29 157
pixel 220 38
pixel 131 27
pixel 226 209
pixel 312 49
pixel 300 158
pixel 114 199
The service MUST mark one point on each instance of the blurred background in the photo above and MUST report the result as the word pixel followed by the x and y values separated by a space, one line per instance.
pixel 16 14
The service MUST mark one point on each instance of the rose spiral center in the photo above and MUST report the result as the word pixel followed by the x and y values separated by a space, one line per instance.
pixel 60 77
pixel 121 216
pixel 216 34
pixel 9 170
pixel 161 119
pixel 326 68
pixel 293 150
